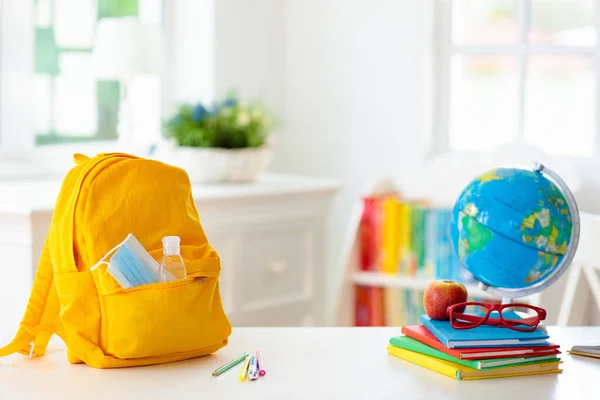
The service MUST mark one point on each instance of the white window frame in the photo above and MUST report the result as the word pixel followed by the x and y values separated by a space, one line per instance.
pixel 189 77
pixel 444 49
pixel 18 154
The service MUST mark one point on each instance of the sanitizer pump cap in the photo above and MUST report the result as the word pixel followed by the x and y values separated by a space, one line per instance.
pixel 171 245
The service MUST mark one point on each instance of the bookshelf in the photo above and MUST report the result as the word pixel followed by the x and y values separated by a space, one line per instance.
pixel 392 285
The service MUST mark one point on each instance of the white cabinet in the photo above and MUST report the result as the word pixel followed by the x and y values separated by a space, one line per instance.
pixel 270 235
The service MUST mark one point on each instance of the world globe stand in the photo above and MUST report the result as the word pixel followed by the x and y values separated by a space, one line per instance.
pixel 508 294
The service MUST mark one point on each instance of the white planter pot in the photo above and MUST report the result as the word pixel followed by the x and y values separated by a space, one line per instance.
pixel 212 165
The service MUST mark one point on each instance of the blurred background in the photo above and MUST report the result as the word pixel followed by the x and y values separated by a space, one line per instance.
pixel 287 114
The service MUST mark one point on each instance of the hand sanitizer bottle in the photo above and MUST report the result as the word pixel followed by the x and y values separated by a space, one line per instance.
pixel 172 266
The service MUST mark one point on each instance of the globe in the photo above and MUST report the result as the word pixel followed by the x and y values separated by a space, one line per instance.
pixel 515 229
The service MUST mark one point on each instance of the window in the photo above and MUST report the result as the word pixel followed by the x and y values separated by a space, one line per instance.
pixel 68 104
pixel 519 70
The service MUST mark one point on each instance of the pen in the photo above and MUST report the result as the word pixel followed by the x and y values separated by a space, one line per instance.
pixel 253 369
pixel 261 366
pixel 244 369
pixel 229 365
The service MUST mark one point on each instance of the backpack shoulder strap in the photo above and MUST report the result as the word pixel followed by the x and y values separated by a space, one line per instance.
pixel 41 316
pixel 43 307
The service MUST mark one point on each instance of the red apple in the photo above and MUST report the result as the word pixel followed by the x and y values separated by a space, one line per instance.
pixel 441 294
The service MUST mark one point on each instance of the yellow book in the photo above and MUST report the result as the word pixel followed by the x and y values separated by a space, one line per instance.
pixel 461 372
pixel 393 307
pixel 404 242
pixel 391 230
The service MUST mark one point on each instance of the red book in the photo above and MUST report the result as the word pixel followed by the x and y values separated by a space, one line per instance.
pixel 369 234
pixel 377 306
pixel 366 311
pixel 420 333
pixel 362 311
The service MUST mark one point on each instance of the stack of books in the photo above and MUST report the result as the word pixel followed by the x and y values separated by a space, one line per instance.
pixel 479 353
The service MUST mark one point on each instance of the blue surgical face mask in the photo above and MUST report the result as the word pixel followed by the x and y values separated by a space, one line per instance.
pixel 131 265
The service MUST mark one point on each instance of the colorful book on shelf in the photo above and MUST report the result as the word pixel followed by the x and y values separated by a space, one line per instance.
pixel 483 335
pixel 362 307
pixel 406 254
pixel 405 342
pixel 369 234
pixel 391 235
pixel 394 307
pixel 421 334
pixel 369 306
pixel 418 308
pixel 444 250
pixel 377 306
pixel 418 239
pixel 461 372
pixel 368 300
pixel 430 243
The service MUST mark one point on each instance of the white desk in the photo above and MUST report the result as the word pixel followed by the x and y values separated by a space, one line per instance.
pixel 301 363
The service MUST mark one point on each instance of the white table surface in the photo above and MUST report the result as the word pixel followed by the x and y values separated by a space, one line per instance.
pixel 301 363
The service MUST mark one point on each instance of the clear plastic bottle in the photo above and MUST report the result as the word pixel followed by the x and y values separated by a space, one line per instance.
pixel 172 266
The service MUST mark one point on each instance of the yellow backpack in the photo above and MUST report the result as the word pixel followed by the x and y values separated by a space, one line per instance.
pixel 102 200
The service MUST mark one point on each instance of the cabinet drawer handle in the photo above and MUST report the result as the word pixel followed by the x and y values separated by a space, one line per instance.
pixel 278 268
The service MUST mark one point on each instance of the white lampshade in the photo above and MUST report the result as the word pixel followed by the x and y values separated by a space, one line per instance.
pixel 125 47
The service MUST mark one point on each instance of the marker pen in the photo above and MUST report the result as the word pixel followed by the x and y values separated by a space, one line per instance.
pixel 253 369
pixel 261 365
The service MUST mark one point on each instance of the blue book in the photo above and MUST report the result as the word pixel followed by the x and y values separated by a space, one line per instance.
pixel 483 335
pixel 444 245
pixel 430 244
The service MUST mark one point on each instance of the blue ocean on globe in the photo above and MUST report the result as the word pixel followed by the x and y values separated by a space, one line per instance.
pixel 511 227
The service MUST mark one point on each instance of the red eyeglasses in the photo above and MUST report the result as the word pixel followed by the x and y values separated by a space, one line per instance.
pixel 461 320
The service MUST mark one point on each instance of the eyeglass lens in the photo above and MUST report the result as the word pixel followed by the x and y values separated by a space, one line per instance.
pixel 521 317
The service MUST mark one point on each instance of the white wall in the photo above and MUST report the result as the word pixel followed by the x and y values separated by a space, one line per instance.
pixel 344 79
pixel 191 44
pixel 250 49
pixel 354 90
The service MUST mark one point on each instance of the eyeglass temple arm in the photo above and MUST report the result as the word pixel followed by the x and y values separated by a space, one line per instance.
pixel 475 318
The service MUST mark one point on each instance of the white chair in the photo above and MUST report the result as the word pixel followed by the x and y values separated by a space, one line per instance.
pixel 575 305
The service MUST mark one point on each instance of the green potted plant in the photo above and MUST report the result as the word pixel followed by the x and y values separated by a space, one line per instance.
pixel 227 141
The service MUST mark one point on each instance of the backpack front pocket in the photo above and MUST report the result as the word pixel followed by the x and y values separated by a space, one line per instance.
pixel 164 318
